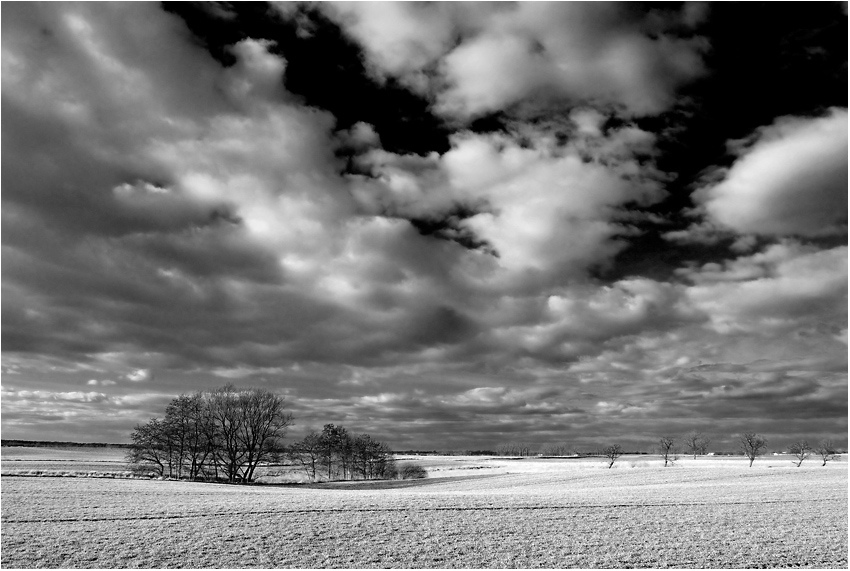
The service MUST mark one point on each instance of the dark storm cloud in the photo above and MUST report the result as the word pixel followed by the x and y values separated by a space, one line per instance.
pixel 434 285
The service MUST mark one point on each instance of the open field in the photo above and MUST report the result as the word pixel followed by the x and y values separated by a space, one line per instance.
pixel 473 512
pixel 18 459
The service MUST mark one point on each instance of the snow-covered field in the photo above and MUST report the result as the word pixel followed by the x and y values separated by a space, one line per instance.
pixel 471 512
pixel 62 459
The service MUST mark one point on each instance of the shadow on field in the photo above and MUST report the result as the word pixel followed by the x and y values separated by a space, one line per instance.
pixel 376 484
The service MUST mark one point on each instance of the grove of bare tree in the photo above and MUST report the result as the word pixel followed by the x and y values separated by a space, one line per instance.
pixel 224 434
pixel 334 454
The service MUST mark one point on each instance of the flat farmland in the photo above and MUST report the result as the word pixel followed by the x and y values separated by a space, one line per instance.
pixel 491 513
pixel 19 459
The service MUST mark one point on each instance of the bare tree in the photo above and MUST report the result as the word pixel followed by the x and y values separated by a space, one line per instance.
pixel 263 426
pixel 308 453
pixel 667 446
pixel 696 443
pixel 612 453
pixel 704 444
pixel 753 445
pixel 827 451
pixel 226 419
pixel 150 448
pixel 336 450
pixel 186 417
pixel 372 459
pixel 801 450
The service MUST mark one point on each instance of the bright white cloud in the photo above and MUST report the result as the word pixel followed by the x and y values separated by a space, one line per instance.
pixel 790 178
pixel 403 38
pixel 570 200
pixel 529 53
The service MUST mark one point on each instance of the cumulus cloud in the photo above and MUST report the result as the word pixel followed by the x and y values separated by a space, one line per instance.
pixel 203 230
pixel 403 39
pixel 789 178
pixel 536 54
pixel 571 192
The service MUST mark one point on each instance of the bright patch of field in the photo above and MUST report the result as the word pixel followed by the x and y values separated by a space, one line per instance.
pixel 79 459
pixel 529 513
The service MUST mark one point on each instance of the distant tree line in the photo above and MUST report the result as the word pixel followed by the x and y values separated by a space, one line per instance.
pixel 224 434
pixel 334 454
pixel 59 444
pixel 751 445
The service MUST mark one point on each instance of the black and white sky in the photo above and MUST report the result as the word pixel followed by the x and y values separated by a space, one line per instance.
pixel 448 225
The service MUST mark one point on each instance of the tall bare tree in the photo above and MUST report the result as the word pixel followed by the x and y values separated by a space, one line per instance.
pixel 612 452
pixel 227 420
pixel 667 447
pixel 186 416
pixel 801 450
pixel 336 450
pixel 827 451
pixel 753 445
pixel 150 449
pixel 263 426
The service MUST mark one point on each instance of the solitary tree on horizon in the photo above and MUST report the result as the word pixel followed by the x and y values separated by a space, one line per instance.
pixel 801 450
pixel 612 453
pixel 753 445
pixel 827 451
pixel 667 446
